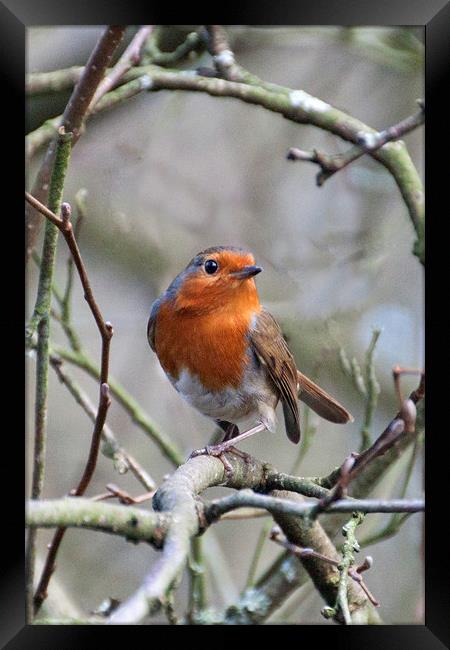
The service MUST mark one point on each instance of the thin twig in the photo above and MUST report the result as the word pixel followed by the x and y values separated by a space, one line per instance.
pixel 366 385
pixel 60 298
pixel 129 58
pixel 397 519
pixel 248 498
pixel 65 303
pixel 402 424
pixel 154 55
pixel 65 226
pixel 368 142
pixel 123 460
pixel 373 390
pixel 79 358
pixel 355 574
pixel 284 575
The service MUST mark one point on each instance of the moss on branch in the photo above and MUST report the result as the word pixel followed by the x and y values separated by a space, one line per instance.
pixel 135 524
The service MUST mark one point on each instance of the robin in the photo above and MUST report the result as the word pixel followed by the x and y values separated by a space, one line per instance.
pixel 226 355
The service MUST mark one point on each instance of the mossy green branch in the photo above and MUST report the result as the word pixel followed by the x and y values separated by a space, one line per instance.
pixel 43 300
pixel 349 548
pixel 40 320
pixel 135 524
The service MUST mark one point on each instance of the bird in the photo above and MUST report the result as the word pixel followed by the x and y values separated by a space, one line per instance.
pixel 226 355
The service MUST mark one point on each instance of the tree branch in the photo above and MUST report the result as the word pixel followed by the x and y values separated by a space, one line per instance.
pixel 106 332
pixel 297 106
pixel 129 58
pixel 154 55
pixel 127 521
pixel 72 121
pixel 247 498
pixel 41 319
pixel 79 358
pixel 367 143
pixel 286 574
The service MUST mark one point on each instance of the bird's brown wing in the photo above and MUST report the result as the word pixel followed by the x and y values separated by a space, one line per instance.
pixel 272 351
pixel 152 323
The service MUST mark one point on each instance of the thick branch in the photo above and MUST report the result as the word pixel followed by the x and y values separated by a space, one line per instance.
pixel 177 496
pixel 127 521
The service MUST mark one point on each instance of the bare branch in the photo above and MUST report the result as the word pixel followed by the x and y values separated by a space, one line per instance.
pixel 402 424
pixel 106 332
pixel 368 142
pixel 247 498
pixel 72 121
pixel 222 54
pixel 129 58
pixel 297 106
pixel 285 575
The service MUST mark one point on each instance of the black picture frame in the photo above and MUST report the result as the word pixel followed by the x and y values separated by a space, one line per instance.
pixel 434 15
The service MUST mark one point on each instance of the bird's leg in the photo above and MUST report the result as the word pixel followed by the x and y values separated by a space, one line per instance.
pixel 231 430
pixel 227 445
pixel 231 433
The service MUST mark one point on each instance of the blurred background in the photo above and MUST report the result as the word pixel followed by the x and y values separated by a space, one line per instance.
pixel 170 173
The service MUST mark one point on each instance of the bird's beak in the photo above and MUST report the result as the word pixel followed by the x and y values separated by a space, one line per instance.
pixel 247 272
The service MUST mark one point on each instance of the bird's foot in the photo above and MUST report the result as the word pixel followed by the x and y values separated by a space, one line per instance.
pixel 218 451
pixel 243 454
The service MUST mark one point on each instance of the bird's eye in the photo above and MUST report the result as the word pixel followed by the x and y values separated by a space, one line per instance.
pixel 211 266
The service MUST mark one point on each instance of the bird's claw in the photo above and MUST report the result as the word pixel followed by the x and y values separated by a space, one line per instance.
pixel 199 452
pixel 217 451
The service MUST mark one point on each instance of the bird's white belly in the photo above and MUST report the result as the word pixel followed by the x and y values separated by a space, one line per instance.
pixel 254 398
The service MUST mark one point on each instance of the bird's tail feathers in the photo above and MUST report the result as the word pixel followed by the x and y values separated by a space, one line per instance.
pixel 320 402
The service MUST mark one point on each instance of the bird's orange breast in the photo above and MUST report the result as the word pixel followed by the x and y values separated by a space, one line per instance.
pixel 211 345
